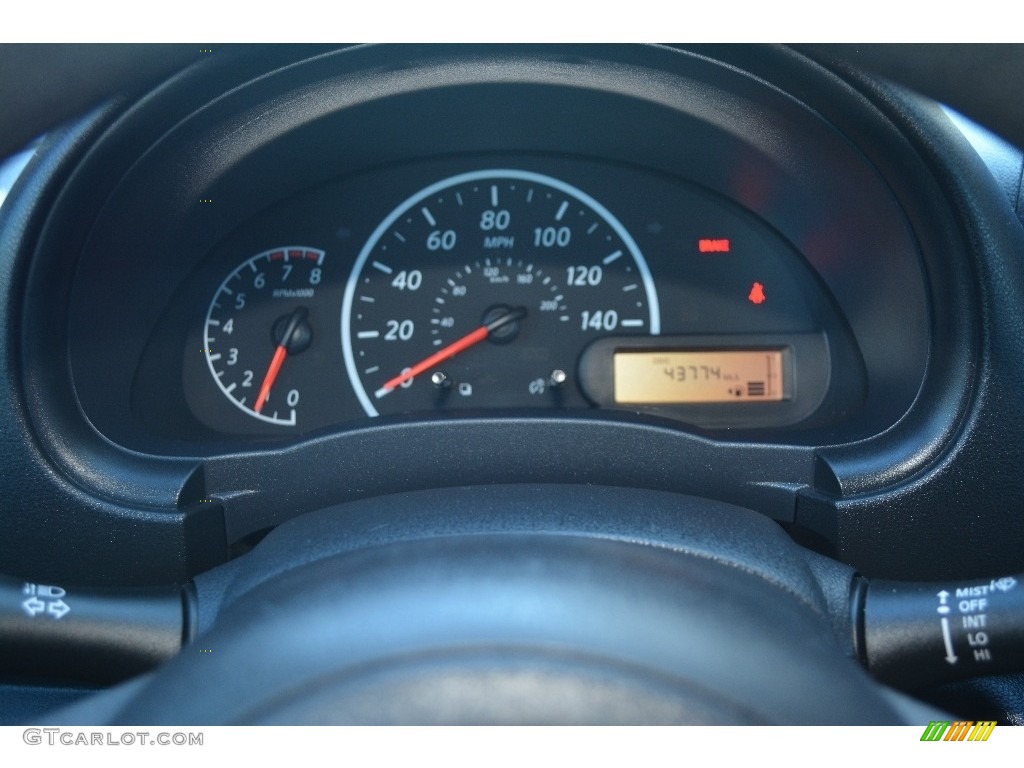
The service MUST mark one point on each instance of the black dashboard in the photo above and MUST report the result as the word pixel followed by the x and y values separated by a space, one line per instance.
pixel 293 277
pixel 669 152
pixel 790 284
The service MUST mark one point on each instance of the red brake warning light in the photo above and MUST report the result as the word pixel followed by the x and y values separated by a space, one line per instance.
pixel 708 245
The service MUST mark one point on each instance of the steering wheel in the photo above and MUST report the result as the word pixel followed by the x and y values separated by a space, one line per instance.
pixel 532 604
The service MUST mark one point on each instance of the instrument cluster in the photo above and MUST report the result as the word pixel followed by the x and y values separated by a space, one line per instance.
pixel 505 283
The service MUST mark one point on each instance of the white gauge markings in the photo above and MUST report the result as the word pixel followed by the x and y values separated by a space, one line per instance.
pixel 430 306
pixel 268 298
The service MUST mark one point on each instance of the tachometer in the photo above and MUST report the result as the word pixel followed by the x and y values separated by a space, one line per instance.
pixel 259 317
pixel 483 289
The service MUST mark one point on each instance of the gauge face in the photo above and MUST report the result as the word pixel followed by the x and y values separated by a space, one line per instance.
pixel 482 291
pixel 259 324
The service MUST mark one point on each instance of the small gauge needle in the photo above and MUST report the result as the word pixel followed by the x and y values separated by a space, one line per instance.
pixel 279 355
pixel 467 341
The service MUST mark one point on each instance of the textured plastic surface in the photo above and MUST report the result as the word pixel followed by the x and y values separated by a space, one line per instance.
pixel 1004 161
pixel 48 84
pixel 49 631
pixel 1000 698
pixel 512 605
pixel 393 456
pixel 23 700
pixel 938 495
pixel 702 528
pixel 971 78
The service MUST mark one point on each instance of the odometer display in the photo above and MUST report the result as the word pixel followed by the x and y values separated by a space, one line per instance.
pixel 679 377
pixel 483 289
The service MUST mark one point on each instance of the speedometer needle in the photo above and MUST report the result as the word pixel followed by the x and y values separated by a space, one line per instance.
pixel 279 355
pixel 445 353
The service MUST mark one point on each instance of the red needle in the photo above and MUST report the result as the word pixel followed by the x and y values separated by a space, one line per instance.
pixel 279 355
pixel 268 381
pixel 467 341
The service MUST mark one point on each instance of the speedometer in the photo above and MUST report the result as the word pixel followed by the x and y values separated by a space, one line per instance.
pixel 483 289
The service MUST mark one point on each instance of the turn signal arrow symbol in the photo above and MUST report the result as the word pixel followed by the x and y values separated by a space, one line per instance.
pixel 33 606
pixel 58 609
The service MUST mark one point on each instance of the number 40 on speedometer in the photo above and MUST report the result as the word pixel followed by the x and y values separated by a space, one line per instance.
pixel 483 289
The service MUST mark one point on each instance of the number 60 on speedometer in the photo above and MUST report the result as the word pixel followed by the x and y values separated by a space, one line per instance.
pixel 483 289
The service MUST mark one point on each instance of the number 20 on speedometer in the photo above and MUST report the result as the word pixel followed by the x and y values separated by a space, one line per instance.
pixel 483 289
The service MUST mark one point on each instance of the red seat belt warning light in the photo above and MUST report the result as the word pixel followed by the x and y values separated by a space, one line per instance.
pixel 708 245
pixel 756 294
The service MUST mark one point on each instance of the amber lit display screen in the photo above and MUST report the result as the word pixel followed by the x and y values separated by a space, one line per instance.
pixel 713 376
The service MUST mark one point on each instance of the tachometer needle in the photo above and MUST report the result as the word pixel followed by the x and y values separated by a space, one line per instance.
pixel 467 341
pixel 279 355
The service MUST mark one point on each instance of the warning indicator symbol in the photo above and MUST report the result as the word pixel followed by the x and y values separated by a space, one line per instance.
pixel 756 294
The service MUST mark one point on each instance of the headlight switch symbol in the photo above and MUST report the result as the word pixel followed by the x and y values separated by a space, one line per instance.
pixel 44 599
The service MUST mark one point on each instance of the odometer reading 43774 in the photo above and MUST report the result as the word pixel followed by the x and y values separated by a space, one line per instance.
pixel 681 377
pixel 483 289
